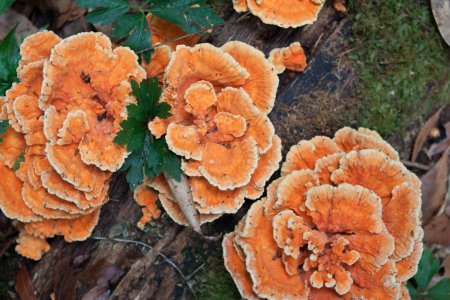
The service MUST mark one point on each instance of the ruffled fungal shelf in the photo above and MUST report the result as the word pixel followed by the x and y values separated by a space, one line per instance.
pixel 343 222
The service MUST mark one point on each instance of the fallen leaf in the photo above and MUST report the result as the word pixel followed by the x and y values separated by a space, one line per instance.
pixel 434 187
pixel 429 125
pixel 438 148
pixel 438 231
pixel 10 19
pixel 65 11
pixel 446 266
pixel 441 12
pixel 24 286
pixel 183 195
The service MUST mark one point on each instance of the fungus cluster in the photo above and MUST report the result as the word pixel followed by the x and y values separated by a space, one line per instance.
pixel 64 114
pixel 220 100
pixel 343 222
pixel 286 13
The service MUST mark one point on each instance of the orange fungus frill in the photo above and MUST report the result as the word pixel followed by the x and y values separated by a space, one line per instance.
pixel 286 13
pixel 166 36
pixel 59 114
pixel 220 100
pixel 343 222
pixel 292 58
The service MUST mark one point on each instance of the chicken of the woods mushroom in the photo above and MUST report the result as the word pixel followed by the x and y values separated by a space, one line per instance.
pixel 166 36
pixel 64 113
pixel 292 58
pixel 220 100
pixel 283 13
pixel 342 222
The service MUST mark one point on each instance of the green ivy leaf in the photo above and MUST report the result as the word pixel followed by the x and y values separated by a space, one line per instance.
pixel 428 266
pixel 9 60
pixel 18 161
pixel 191 15
pixel 412 291
pixel 149 156
pixel 130 23
pixel 3 128
pixel 441 290
pixel 105 12
pixel 4 5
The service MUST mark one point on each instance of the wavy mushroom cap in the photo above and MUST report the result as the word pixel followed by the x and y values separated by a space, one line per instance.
pixel 147 198
pixel 30 246
pixel 288 13
pixel 220 100
pixel 78 229
pixel 343 221
pixel 36 47
pixel 54 192
pixel 292 58
pixel 158 63
pixel 85 73
pixel 11 201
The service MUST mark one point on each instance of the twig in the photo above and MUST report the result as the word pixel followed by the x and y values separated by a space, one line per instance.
pixel 416 165
pixel 195 271
pixel 166 259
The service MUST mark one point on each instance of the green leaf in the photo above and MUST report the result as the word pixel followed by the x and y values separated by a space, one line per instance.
pixel 428 266
pixel 172 165
pixel 148 155
pixel 102 3
pixel 4 5
pixel 106 15
pixel 3 128
pixel 18 161
pixel 412 291
pixel 139 35
pixel 9 60
pixel 441 290
pixel 133 168
pixel 191 15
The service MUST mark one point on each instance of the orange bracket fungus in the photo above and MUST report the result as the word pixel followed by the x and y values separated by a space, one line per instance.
pixel 343 222
pixel 64 112
pixel 287 13
pixel 220 99
pixel 292 58
pixel 166 36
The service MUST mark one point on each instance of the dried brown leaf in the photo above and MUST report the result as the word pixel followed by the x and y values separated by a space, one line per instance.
pixel 429 125
pixel 10 19
pixel 441 12
pixel 65 11
pixel 438 231
pixel 24 286
pixel 438 148
pixel 434 187
pixel 182 193
pixel 446 266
